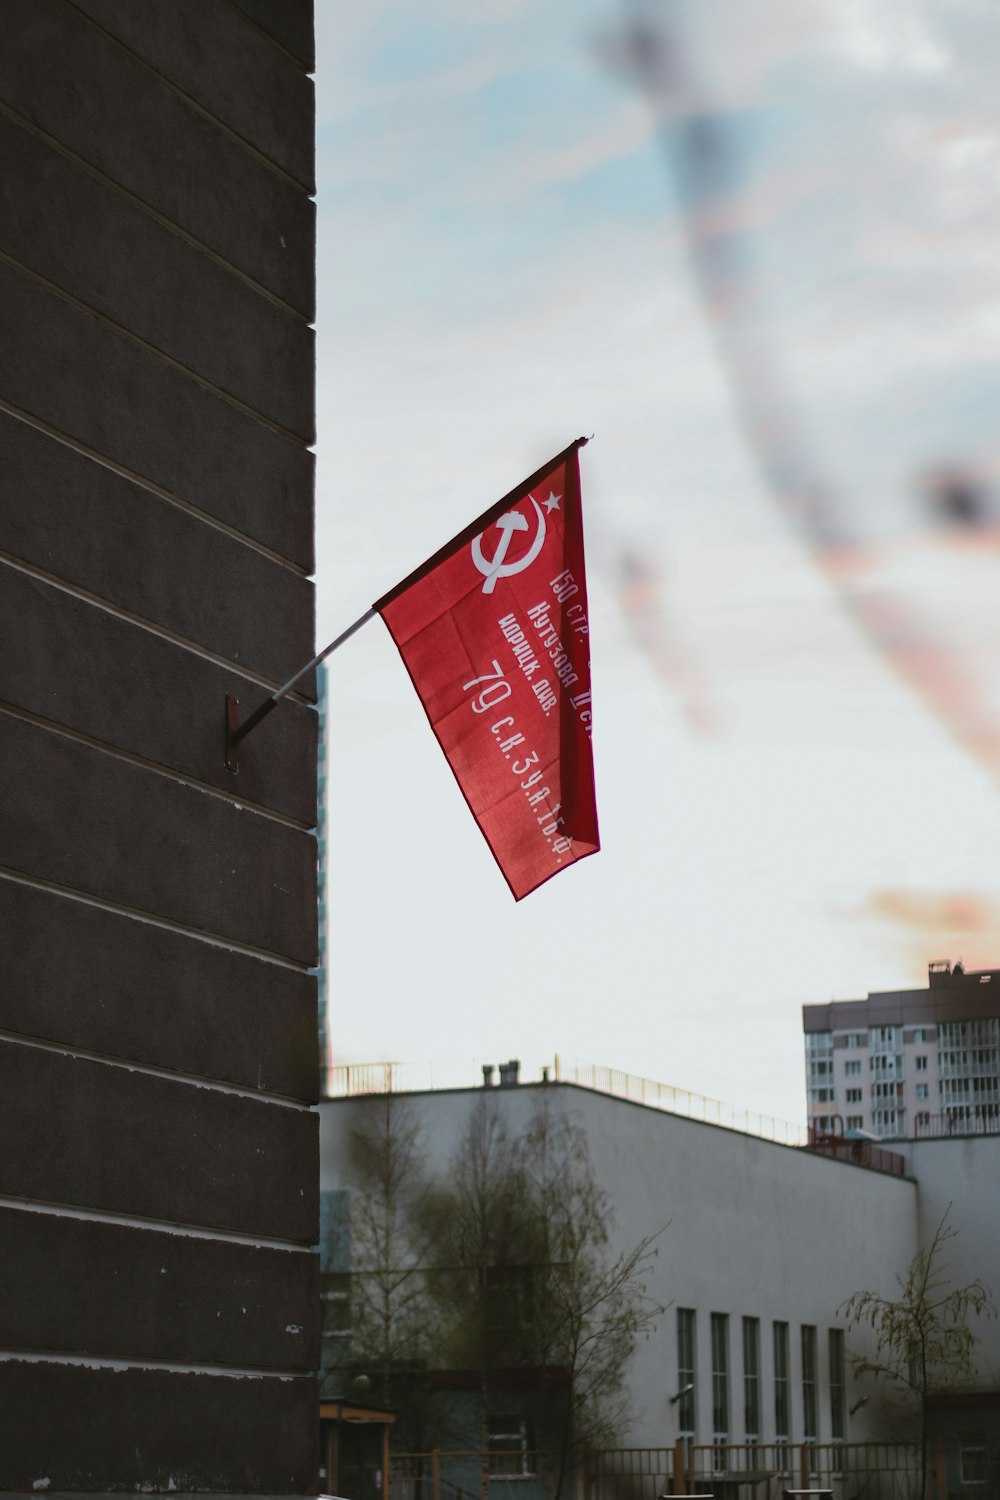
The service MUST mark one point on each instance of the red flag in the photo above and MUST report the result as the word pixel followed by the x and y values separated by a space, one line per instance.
pixel 495 636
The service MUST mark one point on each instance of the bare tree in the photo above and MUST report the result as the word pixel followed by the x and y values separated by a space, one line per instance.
pixel 531 1279
pixel 479 1224
pixel 394 1322
pixel 923 1342
pixel 591 1306
pixel 503 1269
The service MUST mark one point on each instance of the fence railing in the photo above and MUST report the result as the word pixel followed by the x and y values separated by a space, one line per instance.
pixel 348 1080
pixel 878 1471
pixel 976 1119
pixel 743 1471
pixel 862 1153
pixel 526 1474
pixel 352 1079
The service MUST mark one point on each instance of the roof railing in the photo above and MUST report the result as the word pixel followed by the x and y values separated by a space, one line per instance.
pixel 353 1079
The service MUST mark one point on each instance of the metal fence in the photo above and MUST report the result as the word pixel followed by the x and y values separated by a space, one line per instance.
pixel 758 1471
pixel 977 1119
pixel 861 1153
pixel 676 1101
pixel 353 1079
pixel 523 1475
pixel 747 1471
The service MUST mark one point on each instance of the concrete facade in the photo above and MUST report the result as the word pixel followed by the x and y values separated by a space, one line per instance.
pixel 960 1177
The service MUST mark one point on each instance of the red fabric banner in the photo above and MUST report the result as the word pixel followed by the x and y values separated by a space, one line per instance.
pixel 495 636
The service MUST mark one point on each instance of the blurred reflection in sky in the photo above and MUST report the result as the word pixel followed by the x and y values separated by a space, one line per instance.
pixel 837 191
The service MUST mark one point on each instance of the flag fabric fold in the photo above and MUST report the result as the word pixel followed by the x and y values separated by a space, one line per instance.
pixel 494 632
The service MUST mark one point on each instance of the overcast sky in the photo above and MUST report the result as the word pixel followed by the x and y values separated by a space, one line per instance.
pixel 737 241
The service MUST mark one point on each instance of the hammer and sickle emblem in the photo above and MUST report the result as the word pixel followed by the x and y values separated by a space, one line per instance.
pixel 496 566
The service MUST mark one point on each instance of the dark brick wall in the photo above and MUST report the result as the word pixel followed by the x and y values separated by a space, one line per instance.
pixel 158 1156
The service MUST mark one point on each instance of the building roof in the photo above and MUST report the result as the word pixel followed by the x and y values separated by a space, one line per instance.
pixel 953 994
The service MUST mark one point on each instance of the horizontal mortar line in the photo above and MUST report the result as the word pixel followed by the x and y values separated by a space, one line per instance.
pixel 151 627
pixel 157 353
pixel 197 107
pixel 135 913
pixel 101 1362
pixel 85 451
pixel 273 40
pixel 153 213
pixel 104 748
pixel 173 1075
pixel 163 632
pixel 151 1225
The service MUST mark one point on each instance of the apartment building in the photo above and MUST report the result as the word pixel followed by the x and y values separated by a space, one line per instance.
pixel 908 1063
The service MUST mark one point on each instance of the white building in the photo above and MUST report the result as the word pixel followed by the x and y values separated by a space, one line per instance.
pixel 762 1245
pixel 908 1063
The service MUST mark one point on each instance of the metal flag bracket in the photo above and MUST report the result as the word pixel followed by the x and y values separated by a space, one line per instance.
pixel 235 731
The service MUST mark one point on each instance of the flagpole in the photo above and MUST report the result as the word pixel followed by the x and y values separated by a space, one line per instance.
pixel 235 731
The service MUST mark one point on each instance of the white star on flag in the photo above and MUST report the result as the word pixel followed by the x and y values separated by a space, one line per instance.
pixel 552 503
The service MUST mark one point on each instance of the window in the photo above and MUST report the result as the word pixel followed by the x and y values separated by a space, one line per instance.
pixel 781 1381
pixel 821 1068
pixel 509 1441
pixel 921 1064
pixel 836 1352
pixel 808 1381
pixel 923 1120
pixel 854 1039
pixel 882 1036
pixel 855 1122
pixel 973 1459
pixel 819 1041
pixel 922 1091
pixel 822 1096
pixel 751 1378
pixel 720 1376
pixel 686 1370
pixel 853 1096
pixel 852 1069
pixel 335 1314
pixel 921 1034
